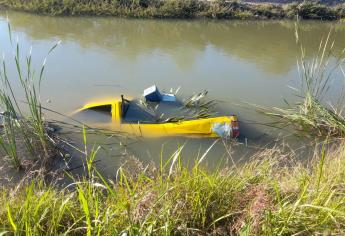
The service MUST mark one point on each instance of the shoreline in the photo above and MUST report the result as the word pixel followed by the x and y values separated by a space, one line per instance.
pixel 181 9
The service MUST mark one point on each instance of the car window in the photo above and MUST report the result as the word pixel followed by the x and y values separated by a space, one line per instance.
pixel 134 113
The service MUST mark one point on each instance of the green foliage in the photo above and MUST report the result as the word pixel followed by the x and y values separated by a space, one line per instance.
pixel 262 197
pixel 19 129
pixel 313 114
pixel 177 9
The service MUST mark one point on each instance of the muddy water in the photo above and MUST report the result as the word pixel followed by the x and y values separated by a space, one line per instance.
pixel 236 61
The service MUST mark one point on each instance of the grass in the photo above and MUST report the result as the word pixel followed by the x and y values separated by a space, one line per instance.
pixel 314 114
pixel 24 135
pixel 218 9
pixel 266 196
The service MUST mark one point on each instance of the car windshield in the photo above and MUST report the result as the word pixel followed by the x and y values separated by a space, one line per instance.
pixel 132 112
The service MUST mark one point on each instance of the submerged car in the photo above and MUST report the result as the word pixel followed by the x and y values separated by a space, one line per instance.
pixel 118 109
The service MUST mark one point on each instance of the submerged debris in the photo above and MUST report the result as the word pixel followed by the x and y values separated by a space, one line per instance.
pixel 196 99
pixel 195 107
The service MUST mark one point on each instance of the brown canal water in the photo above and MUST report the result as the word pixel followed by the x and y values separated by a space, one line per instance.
pixel 236 61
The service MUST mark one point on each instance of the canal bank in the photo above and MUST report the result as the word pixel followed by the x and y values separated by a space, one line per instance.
pixel 182 9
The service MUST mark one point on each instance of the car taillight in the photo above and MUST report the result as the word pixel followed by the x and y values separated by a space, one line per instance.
pixel 235 129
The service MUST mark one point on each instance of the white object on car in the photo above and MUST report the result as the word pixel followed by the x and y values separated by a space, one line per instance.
pixel 222 129
pixel 152 94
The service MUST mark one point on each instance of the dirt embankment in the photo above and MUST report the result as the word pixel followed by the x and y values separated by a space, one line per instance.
pixel 182 9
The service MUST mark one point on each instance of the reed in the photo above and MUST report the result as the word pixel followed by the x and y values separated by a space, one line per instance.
pixel 313 114
pixel 21 128
pixel 8 142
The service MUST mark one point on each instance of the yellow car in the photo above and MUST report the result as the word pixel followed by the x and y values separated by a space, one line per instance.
pixel 223 126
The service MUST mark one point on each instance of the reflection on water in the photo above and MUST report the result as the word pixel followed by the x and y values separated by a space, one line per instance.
pixel 270 45
pixel 235 61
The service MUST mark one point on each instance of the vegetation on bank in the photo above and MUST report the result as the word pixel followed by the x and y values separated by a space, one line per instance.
pixel 24 134
pixel 218 9
pixel 263 197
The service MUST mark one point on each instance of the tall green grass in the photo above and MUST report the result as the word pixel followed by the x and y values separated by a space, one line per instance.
pixel 22 128
pixel 265 196
pixel 8 142
pixel 314 113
